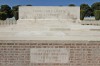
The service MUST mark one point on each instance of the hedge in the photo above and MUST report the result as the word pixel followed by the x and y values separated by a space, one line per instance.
pixel 97 14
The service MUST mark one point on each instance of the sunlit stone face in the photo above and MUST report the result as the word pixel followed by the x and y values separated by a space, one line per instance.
pixel 29 12
pixel 43 36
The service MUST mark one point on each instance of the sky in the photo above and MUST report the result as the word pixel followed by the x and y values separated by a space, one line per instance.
pixel 46 2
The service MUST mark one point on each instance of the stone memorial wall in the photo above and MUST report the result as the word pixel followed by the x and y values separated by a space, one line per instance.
pixel 42 44
pixel 59 53
pixel 42 12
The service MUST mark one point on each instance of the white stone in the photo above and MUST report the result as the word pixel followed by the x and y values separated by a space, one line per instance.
pixel 42 12
pixel 50 28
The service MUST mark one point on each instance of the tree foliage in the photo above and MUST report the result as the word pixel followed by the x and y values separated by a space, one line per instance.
pixel 71 5
pixel 97 14
pixel 15 8
pixel 88 10
pixel 3 16
pixel 7 10
pixel 84 7
pixel 28 5
pixel 95 6
pixel 82 14
pixel 16 15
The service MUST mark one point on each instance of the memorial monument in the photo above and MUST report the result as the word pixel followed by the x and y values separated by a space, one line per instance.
pixel 49 36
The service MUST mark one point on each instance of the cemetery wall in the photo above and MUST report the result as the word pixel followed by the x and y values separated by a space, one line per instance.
pixel 35 53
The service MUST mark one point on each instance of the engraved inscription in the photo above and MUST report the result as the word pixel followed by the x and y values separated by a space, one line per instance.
pixel 49 55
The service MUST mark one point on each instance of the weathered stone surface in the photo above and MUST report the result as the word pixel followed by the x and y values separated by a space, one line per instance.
pixel 49 55
pixel 77 45
pixel 42 12
pixel 19 54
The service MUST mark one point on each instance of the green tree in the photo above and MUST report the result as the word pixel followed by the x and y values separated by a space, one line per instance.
pixel 71 5
pixel 28 5
pixel 15 11
pixel 95 6
pixel 16 15
pixel 15 8
pixel 82 14
pixel 3 16
pixel 89 13
pixel 97 14
pixel 87 9
pixel 7 10
pixel 84 7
